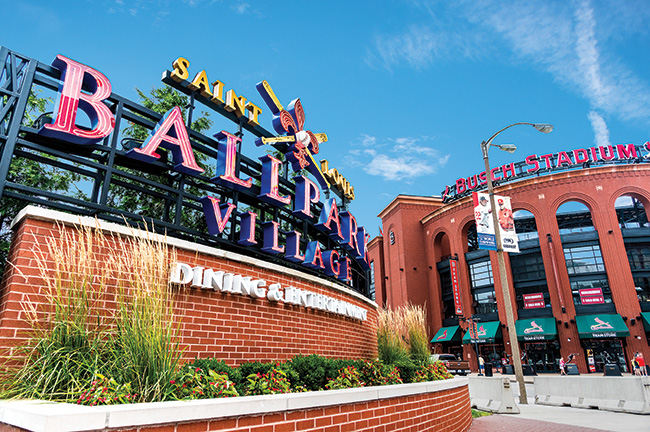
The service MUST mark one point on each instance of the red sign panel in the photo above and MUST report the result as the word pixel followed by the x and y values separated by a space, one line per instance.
pixel 532 301
pixel 592 300
pixel 455 287
pixel 591 296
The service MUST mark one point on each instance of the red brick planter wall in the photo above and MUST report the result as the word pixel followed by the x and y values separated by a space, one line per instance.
pixel 228 326
pixel 415 407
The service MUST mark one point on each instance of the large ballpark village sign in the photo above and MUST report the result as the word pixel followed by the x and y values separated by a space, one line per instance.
pixel 323 237
pixel 541 164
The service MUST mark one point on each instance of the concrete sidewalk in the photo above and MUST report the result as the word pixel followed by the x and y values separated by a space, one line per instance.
pixel 559 419
pixel 544 418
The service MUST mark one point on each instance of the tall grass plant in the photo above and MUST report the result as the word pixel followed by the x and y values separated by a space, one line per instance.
pixel 402 337
pixel 103 306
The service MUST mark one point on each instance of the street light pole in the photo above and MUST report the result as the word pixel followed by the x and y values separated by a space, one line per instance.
pixel 473 322
pixel 505 286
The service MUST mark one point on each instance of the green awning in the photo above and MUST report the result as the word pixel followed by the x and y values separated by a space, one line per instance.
pixel 447 334
pixel 487 332
pixel 646 320
pixel 601 326
pixel 536 329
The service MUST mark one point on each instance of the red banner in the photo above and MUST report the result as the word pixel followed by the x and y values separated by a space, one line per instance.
pixel 591 296
pixel 455 287
pixel 532 301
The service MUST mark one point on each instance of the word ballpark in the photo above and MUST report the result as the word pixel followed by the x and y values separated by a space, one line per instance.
pixel 209 279
pixel 170 133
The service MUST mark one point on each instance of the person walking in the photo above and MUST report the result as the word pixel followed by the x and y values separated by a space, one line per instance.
pixel 635 367
pixel 641 362
pixel 562 366
pixel 481 365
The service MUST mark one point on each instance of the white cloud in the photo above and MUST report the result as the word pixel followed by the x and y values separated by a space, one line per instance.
pixel 576 42
pixel 241 8
pixel 601 132
pixel 399 159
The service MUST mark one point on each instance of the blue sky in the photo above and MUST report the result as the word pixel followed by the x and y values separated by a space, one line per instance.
pixel 405 90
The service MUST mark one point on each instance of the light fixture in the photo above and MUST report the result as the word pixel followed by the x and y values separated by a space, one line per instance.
pixel 543 127
pixel 568 339
pixel 510 148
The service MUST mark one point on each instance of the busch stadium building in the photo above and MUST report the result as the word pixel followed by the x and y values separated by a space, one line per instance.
pixel 580 283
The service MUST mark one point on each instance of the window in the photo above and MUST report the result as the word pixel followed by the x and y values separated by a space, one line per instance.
pixel 527 267
pixel 638 254
pixel 583 259
pixel 578 285
pixel 528 276
pixel 642 286
pixel 481 274
pixel 447 291
pixel 485 301
pixel 483 287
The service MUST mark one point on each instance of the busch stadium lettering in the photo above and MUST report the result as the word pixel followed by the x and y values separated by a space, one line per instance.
pixel 539 164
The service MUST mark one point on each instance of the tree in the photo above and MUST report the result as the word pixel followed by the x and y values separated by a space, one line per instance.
pixel 160 100
pixel 30 173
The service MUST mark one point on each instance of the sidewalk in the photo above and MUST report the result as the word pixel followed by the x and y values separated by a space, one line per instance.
pixel 544 418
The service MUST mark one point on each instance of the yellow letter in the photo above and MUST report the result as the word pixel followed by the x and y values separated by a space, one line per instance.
pixel 235 103
pixel 324 166
pixel 218 92
pixel 200 82
pixel 180 72
pixel 253 112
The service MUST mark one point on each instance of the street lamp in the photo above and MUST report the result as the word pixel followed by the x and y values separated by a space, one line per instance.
pixel 473 323
pixel 505 288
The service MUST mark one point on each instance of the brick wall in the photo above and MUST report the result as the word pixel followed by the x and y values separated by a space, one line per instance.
pixel 444 410
pixel 228 326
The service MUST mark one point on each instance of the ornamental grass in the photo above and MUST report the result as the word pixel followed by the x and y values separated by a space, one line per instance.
pixel 402 336
pixel 103 306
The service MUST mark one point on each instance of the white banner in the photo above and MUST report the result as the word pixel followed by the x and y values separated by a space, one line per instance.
pixel 484 228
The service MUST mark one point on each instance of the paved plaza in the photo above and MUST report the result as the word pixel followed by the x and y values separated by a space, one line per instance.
pixel 543 418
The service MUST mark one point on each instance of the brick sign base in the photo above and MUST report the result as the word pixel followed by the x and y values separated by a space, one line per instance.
pixel 214 324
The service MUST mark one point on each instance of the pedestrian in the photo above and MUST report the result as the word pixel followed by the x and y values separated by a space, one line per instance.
pixel 641 361
pixel 481 365
pixel 504 362
pixel 562 366
pixel 635 366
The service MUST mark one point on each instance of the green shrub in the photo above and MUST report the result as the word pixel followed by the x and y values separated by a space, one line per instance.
pixel 194 383
pixel 271 383
pixel 106 391
pixel 407 371
pixel 348 377
pixel 310 370
pixel 375 373
pixel 250 368
pixel 219 366
pixel 432 372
